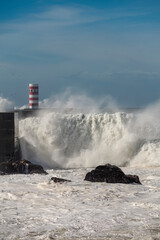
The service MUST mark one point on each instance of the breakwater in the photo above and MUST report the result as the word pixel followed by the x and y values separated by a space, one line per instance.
pixel 9 133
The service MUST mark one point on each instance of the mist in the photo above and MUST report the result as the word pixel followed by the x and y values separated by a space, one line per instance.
pixel 79 103
pixel 80 138
pixel 6 105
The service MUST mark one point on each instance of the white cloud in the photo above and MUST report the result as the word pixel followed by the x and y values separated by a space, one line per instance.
pixel 62 16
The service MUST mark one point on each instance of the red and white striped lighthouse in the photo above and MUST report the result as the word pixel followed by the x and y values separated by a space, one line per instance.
pixel 33 96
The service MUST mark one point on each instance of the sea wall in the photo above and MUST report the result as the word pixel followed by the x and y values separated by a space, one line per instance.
pixel 9 133
pixel 9 143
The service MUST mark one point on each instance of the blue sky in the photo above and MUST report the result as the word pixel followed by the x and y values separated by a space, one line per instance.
pixel 101 48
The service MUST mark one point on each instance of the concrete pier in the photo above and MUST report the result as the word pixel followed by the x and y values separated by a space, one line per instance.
pixel 9 143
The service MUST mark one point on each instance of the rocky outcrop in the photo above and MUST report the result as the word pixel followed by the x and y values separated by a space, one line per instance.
pixel 110 174
pixel 59 180
pixel 20 167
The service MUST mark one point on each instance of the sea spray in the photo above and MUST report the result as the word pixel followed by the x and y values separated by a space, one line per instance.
pixel 58 140
pixel 5 105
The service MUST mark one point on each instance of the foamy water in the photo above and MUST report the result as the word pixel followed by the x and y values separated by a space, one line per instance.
pixel 86 140
pixel 31 208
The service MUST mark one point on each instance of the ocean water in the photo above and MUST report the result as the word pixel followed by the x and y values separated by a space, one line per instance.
pixel 68 146
pixel 31 208
pixel 58 140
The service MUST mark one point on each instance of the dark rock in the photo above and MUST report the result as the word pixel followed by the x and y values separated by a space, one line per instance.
pixel 133 179
pixel 59 180
pixel 20 167
pixel 110 174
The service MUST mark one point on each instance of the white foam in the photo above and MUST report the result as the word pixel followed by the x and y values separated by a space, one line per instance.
pixel 78 140
pixel 33 209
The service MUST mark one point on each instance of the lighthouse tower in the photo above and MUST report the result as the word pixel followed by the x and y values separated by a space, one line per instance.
pixel 33 96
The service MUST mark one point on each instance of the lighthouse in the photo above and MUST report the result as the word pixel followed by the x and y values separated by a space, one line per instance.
pixel 33 96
